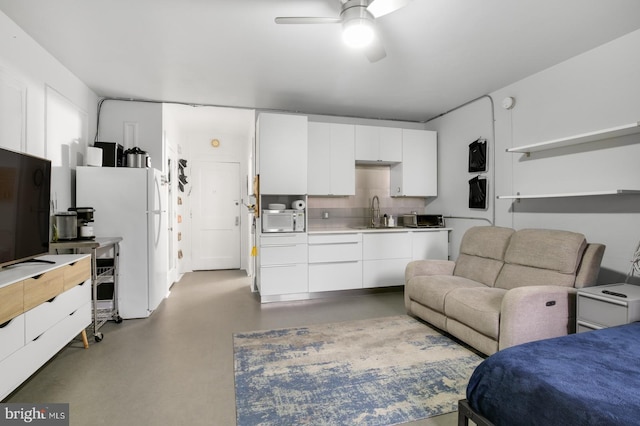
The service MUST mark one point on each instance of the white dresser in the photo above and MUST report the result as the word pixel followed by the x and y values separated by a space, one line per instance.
pixel 42 308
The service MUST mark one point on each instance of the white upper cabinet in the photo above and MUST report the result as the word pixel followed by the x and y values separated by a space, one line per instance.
pixel 376 144
pixel 417 174
pixel 282 153
pixel 331 159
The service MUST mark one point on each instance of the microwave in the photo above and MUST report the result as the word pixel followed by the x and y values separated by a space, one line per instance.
pixel 283 221
pixel 423 220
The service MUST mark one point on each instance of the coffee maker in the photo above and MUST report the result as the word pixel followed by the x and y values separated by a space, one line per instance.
pixel 85 219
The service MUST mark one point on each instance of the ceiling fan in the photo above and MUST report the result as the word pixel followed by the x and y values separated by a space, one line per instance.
pixel 358 23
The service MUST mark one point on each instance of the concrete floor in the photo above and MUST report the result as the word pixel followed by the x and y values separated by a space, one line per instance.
pixel 176 367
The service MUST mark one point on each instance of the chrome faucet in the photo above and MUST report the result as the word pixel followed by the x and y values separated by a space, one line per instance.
pixel 375 211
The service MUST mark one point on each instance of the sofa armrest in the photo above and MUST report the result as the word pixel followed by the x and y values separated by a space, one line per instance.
pixel 428 267
pixel 536 312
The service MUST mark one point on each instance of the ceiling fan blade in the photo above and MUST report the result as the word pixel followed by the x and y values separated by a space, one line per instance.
pixel 306 20
pixel 375 51
pixel 383 7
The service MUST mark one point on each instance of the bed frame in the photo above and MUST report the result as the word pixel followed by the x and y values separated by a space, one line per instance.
pixel 465 413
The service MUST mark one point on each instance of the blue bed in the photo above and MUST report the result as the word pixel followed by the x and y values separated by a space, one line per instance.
pixel 590 378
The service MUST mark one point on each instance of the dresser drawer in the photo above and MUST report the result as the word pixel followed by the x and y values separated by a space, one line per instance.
pixel 17 367
pixel 601 312
pixel 11 336
pixel 11 301
pixel 76 273
pixel 42 317
pixel 42 288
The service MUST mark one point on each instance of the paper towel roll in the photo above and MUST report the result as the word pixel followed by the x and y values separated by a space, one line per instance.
pixel 298 205
pixel 94 156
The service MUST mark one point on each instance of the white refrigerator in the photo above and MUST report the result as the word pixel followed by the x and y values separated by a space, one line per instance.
pixel 131 203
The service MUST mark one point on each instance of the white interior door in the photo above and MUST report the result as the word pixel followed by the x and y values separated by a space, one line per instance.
pixel 215 215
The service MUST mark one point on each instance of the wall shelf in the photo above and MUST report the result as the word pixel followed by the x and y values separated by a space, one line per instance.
pixel 613 132
pixel 571 194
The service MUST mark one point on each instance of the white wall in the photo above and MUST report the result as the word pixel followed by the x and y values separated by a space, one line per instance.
pixel 596 90
pixel 45 110
pixel 456 130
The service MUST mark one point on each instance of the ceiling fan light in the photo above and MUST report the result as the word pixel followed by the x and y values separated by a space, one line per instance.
pixel 358 33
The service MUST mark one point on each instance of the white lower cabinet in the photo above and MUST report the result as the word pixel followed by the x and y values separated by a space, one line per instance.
pixel 430 245
pixel 335 262
pixel 385 256
pixel 31 335
pixel 283 265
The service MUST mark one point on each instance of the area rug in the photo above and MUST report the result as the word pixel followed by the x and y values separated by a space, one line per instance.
pixel 381 371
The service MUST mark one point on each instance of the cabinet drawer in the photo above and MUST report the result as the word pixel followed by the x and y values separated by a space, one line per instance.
pixel 11 336
pixel 383 273
pixel 42 288
pixel 11 301
pixel 284 254
pixel 77 272
pixel 335 238
pixel 601 312
pixel 392 245
pixel 289 279
pixel 335 276
pixel 584 326
pixel 348 251
pixel 280 239
pixel 42 317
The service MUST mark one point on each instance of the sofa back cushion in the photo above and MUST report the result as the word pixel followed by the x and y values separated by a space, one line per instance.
pixel 482 252
pixel 541 257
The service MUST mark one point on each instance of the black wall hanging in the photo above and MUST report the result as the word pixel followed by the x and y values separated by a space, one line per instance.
pixel 182 177
pixel 478 156
pixel 478 193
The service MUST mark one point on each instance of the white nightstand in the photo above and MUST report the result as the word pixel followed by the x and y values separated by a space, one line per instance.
pixel 607 306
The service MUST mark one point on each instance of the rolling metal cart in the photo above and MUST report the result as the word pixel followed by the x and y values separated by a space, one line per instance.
pixel 105 255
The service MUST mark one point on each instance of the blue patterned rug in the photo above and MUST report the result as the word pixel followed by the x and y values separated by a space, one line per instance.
pixel 380 371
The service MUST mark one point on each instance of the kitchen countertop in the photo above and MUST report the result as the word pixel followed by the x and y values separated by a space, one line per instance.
pixel 346 229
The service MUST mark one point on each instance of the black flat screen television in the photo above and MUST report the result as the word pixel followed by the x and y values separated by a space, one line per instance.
pixel 25 197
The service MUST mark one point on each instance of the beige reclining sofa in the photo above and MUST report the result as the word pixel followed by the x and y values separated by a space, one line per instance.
pixel 506 287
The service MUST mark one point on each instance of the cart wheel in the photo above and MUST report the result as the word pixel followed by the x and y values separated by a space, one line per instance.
pixel 118 319
pixel 98 337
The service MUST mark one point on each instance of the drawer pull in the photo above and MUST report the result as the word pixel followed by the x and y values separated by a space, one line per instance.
pixel 37 337
pixel 3 325
pixel 52 299
pixel 334 243
pixel 37 277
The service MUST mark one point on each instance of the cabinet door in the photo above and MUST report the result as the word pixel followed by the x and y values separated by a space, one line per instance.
pixel 430 245
pixel 417 175
pixel 319 159
pixel 282 147
pixel 367 143
pixel 343 161
pixel 390 144
pixel 378 144
pixel 331 159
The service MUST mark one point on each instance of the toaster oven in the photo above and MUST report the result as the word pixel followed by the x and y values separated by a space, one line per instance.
pixel 423 220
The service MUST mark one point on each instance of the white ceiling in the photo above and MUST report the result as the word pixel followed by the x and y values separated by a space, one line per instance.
pixel 440 53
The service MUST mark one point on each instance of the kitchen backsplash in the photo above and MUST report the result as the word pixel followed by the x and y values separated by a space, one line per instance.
pixel 355 210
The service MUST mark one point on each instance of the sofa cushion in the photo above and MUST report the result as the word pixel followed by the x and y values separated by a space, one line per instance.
pixel 482 253
pixel 547 249
pixel 478 308
pixel 477 268
pixel 541 257
pixel 431 291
